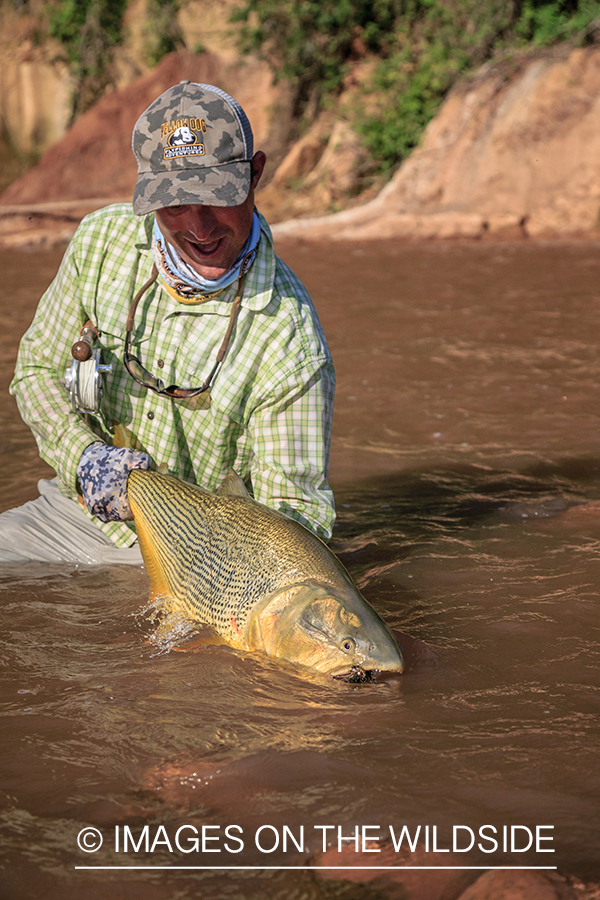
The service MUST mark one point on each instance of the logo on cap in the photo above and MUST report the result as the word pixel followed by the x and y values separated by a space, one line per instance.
pixel 183 138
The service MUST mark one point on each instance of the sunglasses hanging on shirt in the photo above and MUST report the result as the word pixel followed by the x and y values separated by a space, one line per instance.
pixel 140 374
pixel 83 378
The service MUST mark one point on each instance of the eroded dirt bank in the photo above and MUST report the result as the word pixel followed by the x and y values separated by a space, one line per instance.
pixel 511 154
pixel 506 157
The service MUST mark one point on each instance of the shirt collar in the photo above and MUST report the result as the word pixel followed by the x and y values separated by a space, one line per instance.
pixel 260 280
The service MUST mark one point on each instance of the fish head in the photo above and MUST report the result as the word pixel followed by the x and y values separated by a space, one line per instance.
pixel 332 631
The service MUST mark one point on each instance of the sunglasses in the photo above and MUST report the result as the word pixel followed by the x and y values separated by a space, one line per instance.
pixel 134 366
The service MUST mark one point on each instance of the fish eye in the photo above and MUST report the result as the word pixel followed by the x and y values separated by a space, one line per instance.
pixel 348 644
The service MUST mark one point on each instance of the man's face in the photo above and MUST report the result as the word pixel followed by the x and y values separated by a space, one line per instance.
pixel 209 238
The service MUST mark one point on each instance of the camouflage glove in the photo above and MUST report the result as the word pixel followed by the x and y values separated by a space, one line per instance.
pixel 102 474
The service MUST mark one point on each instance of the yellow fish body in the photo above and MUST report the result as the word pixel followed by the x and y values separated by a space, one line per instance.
pixel 260 579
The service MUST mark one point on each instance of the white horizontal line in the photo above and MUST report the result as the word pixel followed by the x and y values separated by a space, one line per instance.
pixel 319 868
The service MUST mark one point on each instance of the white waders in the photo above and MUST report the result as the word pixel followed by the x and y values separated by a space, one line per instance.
pixel 53 528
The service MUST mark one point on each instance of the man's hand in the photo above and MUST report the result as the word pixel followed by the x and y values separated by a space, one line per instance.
pixel 102 474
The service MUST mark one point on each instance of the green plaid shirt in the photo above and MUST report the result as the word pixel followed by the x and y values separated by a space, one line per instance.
pixel 269 411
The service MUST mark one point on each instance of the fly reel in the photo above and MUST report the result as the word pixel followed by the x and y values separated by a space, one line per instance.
pixel 83 378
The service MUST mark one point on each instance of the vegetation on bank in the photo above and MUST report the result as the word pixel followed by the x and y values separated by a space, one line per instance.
pixel 419 47
pixel 405 54
pixel 89 31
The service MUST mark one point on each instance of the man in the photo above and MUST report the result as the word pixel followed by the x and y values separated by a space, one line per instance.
pixel 217 357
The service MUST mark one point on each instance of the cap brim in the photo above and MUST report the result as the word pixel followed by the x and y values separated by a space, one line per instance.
pixel 226 185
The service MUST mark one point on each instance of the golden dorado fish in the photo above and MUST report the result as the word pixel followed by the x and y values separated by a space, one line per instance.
pixel 263 581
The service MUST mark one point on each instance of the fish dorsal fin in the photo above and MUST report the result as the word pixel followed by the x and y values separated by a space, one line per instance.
pixel 122 436
pixel 232 486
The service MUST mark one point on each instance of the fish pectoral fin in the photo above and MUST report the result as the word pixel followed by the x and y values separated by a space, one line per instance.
pixel 122 436
pixel 208 638
pixel 232 486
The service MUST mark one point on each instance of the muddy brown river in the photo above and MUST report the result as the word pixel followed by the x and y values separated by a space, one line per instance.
pixel 466 467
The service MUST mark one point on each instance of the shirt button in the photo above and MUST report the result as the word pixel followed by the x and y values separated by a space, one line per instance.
pixel 150 415
pixel 161 364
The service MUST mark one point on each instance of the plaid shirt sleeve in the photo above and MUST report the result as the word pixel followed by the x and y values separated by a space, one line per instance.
pixel 38 384
pixel 290 434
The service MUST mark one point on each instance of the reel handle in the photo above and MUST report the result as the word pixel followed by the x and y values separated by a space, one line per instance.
pixel 83 348
pixel 83 378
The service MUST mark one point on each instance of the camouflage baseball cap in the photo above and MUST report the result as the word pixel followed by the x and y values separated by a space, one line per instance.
pixel 193 145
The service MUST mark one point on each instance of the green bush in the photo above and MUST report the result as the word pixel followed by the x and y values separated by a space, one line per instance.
pixel 545 23
pixel 423 46
pixel 163 33
pixel 88 30
pixel 310 41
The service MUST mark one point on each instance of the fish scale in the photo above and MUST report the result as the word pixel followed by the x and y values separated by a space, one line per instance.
pixel 240 567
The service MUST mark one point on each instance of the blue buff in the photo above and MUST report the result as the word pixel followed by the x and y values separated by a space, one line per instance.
pixel 102 474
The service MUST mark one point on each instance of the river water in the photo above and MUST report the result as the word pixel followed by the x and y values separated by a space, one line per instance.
pixel 466 467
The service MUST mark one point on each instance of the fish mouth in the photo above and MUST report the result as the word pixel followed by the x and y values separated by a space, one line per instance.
pixel 357 675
